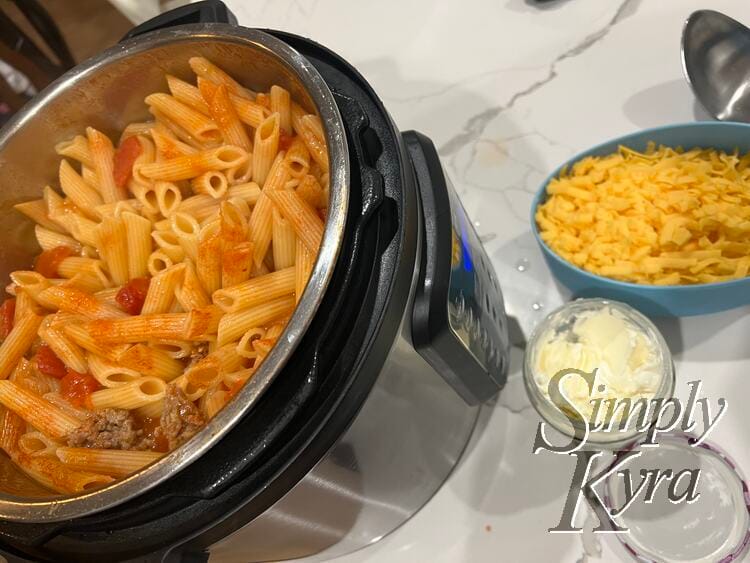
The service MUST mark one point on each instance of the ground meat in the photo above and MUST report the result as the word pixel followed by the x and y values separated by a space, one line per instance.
pixel 108 429
pixel 181 419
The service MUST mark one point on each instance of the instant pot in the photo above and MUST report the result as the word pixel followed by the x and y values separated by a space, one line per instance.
pixel 368 400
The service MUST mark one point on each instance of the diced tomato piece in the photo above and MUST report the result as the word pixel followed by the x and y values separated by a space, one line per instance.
pixel 125 156
pixel 285 141
pixel 132 295
pixel 48 261
pixel 48 363
pixel 7 313
pixel 77 388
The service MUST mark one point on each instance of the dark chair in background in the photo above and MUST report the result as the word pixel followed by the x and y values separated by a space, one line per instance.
pixel 28 64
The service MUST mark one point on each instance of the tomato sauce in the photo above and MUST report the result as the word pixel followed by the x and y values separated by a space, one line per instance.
pixel 48 363
pixel 132 296
pixel 125 156
pixel 7 314
pixel 49 261
pixel 152 429
pixel 77 388
pixel 285 141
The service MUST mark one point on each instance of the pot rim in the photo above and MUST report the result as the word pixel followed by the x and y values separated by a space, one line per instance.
pixel 58 508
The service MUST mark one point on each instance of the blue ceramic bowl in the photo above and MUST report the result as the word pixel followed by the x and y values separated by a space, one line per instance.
pixel 654 300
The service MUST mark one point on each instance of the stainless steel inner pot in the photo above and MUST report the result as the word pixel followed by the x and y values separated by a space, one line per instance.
pixel 107 92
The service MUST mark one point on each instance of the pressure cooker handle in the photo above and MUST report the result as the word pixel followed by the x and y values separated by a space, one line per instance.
pixel 458 321
pixel 208 11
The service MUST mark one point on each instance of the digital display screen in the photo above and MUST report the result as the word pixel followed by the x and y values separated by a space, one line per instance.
pixel 475 304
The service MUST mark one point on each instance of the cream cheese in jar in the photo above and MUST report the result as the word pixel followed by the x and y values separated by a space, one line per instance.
pixel 629 355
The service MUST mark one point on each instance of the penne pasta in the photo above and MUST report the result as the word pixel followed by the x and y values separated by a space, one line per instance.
pixel 73 300
pixel 222 111
pixel 80 193
pixel 167 145
pixel 145 194
pixel 109 462
pixel 151 361
pixel 168 197
pixel 57 477
pixel 102 161
pixel 236 264
pixel 109 374
pixel 159 261
pixel 191 294
pixel 25 305
pixel 81 336
pixel 199 206
pixel 187 94
pixel 60 402
pixel 172 348
pixel 250 192
pixel 237 379
pixel 245 345
pixel 209 71
pixel 160 296
pixel 76 148
pixel 68 351
pixel 303 264
pixel 208 263
pixel 169 244
pixel 36 444
pixel 250 112
pixel 41 414
pixel 310 130
pixel 112 244
pixel 307 225
pixel 138 240
pixel 281 103
pixel 203 323
pixel 256 291
pixel 213 401
pixel 189 247
pixel 137 129
pixel 284 242
pixel 49 239
pixel 297 159
pixel 265 147
pixel 12 427
pixel 241 173
pixel 36 210
pixel 212 183
pixel 310 190
pixel 169 326
pixel 196 124
pixel 131 395
pixel 191 166
pixel 187 229
pixel 18 341
pixel 209 370
pixel 233 325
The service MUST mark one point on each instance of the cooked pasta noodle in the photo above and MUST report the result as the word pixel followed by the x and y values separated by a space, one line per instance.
pixel 171 262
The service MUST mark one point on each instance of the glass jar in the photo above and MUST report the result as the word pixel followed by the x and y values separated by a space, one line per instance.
pixel 560 324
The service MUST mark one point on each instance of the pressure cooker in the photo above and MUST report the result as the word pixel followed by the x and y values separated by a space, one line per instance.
pixel 367 402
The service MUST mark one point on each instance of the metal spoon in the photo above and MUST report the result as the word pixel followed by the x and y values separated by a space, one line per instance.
pixel 716 61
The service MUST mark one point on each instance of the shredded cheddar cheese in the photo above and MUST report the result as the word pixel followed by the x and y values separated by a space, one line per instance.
pixel 663 217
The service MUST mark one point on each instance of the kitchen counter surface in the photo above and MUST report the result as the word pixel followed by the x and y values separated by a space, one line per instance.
pixel 508 89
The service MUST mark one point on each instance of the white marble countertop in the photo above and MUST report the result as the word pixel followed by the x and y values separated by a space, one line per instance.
pixel 508 89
